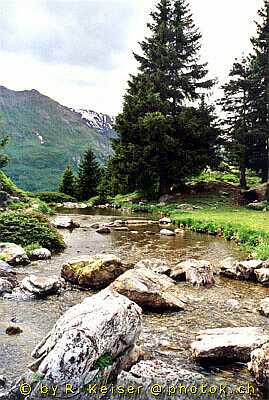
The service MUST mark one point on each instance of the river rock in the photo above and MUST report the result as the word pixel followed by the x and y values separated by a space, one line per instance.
pixel 155 265
pixel 41 286
pixel 241 270
pixel 228 344
pixel 197 272
pixel 104 230
pixel 93 271
pixel 5 286
pixel 264 307
pixel 259 366
pixel 4 267
pixel 122 229
pixel 150 372
pixel 13 254
pixel 167 232
pixel 149 289
pixel 262 275
pixel 64 222
pixel 40 254
pixel 71 205
pixel 105 325
pixel 95 226
pixel 165 221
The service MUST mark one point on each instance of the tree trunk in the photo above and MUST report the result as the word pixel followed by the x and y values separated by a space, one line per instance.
pixel 243 181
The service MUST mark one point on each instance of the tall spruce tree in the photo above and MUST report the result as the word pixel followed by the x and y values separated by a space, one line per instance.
pixel 150 153
pixel 67 184
pixel 237 121
pixel 89 175
pixel 260 92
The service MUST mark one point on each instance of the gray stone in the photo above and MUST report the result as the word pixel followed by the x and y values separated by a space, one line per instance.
pixel 40 254
pixel 103 324
pixel 241 270
pixel 41 286
pixel 155 265
pixel 5 286
pixel 149 289
pixel 165 221
pixel 262 275
pixel 64 222
pixel 197 272
pixel 104 230
pixel 264 307
pixel 259 366
pixel 13 254
pixel 167 232
pixel 228 344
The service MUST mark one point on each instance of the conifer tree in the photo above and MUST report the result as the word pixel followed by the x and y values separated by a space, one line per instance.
pixel 260 91
pixel 89 175
pixel 67 184
pixel 3 142
pixel 236 105
pixel 150 153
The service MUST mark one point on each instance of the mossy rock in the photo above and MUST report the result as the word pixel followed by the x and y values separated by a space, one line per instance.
pixel 93 272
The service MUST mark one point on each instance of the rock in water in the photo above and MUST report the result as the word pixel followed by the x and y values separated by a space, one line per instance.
pixel 5 286
pixel 264 307
pixel 228 344
pixel 167 232
pixel 147 373
pixel 155 265
pixel 106 325
pixel 104 230
pixel 197 272
pixel 41 286
pixel 13 254
pixel 40 254
pixel 262 275
pixel 149 289
pixel 63 222
pixel 93 271
pixel 259 366
pixel 241 270
pixel 165 221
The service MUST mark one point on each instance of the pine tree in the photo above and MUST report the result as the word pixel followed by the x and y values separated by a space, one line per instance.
pixel 67 184
pixel 3 142
pixel 260 90
pixel 236 105
pixel 89 175
pixel 150 154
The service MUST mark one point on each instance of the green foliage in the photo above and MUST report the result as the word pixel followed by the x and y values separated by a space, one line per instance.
pixel 54 197
pixel 230 175
pixel 94 201
pixel 103 362
pixel 9 186
pixel 25 229
pixel 89 176
pixel 68 184
pixel 31 247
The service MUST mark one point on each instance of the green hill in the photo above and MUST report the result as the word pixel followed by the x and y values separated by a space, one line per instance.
pixel 45 136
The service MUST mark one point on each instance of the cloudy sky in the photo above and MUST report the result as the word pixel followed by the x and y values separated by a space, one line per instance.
pixel 79 52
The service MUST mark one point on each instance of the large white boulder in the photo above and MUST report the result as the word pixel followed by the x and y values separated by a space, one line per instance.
pixel 64 222
pixel 106 325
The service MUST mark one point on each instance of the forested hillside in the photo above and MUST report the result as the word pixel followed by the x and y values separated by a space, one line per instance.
pixel 45 136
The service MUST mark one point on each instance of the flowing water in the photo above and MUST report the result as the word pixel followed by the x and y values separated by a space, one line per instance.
pixel 165 336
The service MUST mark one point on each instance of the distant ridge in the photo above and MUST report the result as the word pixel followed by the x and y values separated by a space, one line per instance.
pixel 45 136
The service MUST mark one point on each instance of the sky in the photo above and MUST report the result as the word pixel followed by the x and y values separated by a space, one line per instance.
pixel 79 52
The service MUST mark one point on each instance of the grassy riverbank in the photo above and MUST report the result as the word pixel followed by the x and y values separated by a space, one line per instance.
pixel 215 214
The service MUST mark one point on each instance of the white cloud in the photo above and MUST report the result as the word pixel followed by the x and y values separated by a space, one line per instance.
pixel 90 70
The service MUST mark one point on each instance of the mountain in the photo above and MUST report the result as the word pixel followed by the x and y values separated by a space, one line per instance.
pixel 45 136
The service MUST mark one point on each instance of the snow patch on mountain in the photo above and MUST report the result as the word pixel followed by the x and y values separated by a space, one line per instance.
pixel 99 121
pixel 40 138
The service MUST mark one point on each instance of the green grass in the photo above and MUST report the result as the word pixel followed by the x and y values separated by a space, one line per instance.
pixel 217 215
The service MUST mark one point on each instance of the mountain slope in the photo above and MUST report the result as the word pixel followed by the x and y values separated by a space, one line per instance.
pixel 45 136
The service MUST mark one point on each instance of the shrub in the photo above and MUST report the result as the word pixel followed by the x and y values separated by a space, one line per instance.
pixel 24 229
pixel 54 197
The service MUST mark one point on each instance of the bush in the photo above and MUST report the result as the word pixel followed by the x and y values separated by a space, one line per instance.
pixel 54 197
pixel 24 229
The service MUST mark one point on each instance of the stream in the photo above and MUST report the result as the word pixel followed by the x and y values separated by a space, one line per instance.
pixel 166 336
